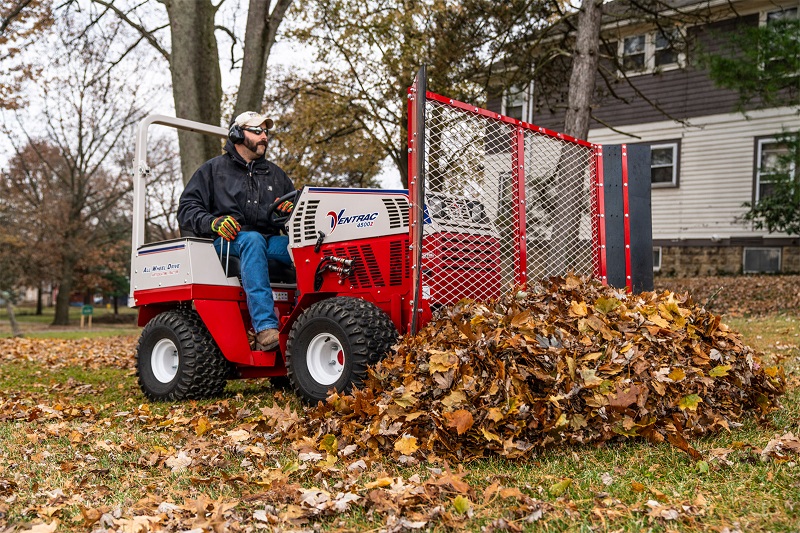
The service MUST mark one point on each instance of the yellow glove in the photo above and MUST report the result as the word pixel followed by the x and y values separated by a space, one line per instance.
pixel 226 227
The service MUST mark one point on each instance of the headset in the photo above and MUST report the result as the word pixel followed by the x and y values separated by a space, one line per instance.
pixel 235 133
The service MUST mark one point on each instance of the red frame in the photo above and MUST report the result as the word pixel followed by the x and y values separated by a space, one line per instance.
pixel 502 118
pixel 518 198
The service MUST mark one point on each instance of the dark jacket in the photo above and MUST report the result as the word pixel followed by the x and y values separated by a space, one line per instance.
pixel 227 185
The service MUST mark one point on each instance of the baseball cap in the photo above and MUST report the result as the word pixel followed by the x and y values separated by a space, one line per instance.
pixel 251 118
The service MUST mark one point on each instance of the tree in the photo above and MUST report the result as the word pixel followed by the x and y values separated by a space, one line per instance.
pixel 584 69
pixel 20 22
pixel 66 181
pixel 321 139
pixel 194 60
pixel 372 50
pixel 762 64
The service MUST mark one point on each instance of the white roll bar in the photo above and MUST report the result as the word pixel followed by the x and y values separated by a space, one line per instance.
pixel 141 170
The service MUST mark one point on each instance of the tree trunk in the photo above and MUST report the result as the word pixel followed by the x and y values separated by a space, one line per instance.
pixel 565 255
pixel 262 27
pixel 15 331
pixel 39 300
pixel 64 292
pixel 196 78
pixel 584 70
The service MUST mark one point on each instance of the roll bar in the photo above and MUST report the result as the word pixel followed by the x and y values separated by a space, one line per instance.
pixel 141 169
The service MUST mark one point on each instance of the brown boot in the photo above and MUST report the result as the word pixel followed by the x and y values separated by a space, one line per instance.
pixel 267 339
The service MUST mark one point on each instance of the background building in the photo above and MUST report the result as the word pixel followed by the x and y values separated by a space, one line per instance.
pixel 710 155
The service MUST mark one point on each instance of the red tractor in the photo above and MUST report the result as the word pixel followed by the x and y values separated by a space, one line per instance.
pixel 340 308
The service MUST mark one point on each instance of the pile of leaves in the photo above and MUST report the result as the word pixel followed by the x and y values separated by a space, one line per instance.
pixel 739 295
pixel 569 361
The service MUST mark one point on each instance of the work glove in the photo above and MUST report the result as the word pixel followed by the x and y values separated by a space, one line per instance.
pixel 226 227
pixel 285 207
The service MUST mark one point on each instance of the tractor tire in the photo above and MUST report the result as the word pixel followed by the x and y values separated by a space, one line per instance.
pixel 177 359
pixel 332 343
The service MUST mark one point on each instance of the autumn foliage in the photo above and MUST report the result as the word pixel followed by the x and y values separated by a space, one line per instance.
pixel 567 361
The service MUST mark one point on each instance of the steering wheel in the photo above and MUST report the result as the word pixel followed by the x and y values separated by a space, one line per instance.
pixel 278 219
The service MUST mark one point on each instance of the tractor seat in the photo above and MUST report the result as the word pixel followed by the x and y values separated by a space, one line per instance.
pixel 278 272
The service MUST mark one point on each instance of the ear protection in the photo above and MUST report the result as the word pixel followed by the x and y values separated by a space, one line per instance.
pixel 235 133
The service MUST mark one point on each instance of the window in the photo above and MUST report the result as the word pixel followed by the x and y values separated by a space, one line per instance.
pixel 664 164
pixel 516 103
pixel 780 14
pixel 651 52
pixel 756 260
pixel 656 258
pixel 776 62
pixel 633 53
pixel 665 53
pixel 771 160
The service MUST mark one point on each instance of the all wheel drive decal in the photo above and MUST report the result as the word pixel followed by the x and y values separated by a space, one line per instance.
pixel 169 269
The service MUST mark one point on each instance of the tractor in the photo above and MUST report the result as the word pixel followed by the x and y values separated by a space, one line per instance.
pixel 340 307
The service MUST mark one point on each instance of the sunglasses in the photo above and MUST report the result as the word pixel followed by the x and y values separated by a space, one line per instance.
pixel 257 131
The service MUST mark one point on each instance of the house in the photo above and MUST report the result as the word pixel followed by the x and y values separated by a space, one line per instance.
pixel 708 158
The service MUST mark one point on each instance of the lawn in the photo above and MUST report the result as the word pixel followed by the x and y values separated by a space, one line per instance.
pixel 104 323
pixel 81 449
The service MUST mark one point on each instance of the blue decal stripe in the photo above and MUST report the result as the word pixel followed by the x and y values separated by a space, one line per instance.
pixel 159 250
pixel 357 191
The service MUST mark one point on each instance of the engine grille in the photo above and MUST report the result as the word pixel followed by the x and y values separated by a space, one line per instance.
pixel 398 212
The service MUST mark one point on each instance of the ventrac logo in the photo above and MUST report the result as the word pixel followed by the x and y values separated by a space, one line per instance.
pixel 361 221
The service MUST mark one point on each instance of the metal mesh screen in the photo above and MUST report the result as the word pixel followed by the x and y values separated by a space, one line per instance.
pixel 503 203
pixel 559 206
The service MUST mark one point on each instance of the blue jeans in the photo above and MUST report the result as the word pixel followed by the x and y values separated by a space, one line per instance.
pixel 253 250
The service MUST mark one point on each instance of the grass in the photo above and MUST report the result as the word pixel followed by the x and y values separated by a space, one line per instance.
pixel 39 326
pixel 90 435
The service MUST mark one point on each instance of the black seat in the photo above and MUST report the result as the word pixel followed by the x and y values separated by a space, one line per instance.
pixel 278 272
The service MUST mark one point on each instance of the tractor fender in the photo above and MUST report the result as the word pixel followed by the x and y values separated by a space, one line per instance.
pixel 306 300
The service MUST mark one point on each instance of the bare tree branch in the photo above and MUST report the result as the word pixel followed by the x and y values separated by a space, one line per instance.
pixel 148 35
pixel 16 9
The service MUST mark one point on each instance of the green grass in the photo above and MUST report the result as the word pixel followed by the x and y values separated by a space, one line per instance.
pixel 39 326
pixel 116 454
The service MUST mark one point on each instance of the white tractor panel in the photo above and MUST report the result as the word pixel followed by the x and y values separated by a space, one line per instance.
pixel 178 262
pixel 347 215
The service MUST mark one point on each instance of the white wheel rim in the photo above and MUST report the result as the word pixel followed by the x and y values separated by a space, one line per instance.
pixel 325 359
pixel 164 360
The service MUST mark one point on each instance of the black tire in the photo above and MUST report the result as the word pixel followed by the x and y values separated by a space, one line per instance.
pixel 196 368
pixel 361 331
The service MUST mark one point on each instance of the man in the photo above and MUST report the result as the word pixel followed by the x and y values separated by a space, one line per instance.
pixel 227 198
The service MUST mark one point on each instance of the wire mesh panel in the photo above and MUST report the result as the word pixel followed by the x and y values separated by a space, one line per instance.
pixel 503 202
pixel 559 206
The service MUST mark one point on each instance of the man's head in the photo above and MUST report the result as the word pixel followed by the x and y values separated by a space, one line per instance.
pixel 249 133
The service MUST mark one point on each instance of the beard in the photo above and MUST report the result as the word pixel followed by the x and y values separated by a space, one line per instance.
pixel 257 147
